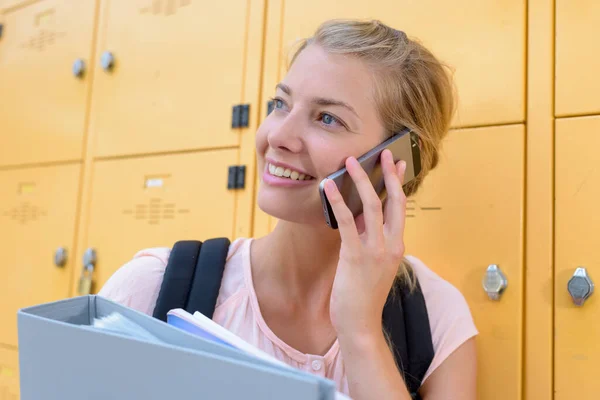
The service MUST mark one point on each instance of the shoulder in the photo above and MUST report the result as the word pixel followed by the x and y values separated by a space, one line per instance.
pixel 137 283
pixel 450 318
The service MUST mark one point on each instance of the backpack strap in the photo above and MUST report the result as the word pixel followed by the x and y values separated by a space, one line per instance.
pixel 178 277
pixel 406 321
pixel 207 279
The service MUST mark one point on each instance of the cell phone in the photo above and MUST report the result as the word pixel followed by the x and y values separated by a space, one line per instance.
pixel 404 145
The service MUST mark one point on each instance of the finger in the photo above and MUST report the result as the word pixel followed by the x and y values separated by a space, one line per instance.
pixel 396 200
pixel 343 215
pixel 372 208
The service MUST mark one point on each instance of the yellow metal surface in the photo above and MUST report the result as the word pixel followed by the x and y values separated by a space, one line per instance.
pixel 577 57
pixel 37 216
pixel 9 373
pixel 577 330
pixel 244 210
pixel 178 71
pixel 155 201
pixel 539 215
pixel 43 105
pixel 483 41
pixel 468 215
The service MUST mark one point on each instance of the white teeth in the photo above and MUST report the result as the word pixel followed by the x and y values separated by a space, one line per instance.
pixel 287 173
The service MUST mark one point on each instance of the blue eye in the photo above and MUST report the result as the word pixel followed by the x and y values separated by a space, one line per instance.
pixel 328 119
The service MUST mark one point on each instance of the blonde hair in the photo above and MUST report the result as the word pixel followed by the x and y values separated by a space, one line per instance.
pixel 412 88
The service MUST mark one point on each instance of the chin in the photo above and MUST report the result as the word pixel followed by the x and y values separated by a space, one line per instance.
pixel 301 212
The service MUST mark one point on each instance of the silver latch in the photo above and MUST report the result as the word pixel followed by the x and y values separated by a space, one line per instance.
pixel 60 257
pixel 580 286
pixel 78 68
pixel 107 60
pixel 494 282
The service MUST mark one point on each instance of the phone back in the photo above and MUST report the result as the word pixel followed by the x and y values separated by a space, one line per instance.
pixel 403 147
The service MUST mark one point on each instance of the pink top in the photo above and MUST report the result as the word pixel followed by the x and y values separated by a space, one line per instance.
pixel 138 282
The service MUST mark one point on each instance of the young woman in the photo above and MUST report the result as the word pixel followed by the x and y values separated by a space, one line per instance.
pixel 313 296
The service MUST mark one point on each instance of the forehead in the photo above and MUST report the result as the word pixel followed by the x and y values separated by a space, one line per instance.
pixel 315 72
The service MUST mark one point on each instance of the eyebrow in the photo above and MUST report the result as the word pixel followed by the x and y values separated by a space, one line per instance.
pixel 320 100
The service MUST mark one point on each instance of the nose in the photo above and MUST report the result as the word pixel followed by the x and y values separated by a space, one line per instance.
pixel 285 134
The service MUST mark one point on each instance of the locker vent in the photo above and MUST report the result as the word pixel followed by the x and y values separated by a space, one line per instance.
pixel 42 40
pixel 25 213
pixel 155 211
pixel 412 207
pixel 163 7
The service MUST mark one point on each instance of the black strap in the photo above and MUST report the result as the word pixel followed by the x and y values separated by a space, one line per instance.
pixel 178 277
pixel 207 279
pixel 406 321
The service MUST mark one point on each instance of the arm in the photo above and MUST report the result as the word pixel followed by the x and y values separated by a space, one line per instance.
pixel 370 368
pixel 456 377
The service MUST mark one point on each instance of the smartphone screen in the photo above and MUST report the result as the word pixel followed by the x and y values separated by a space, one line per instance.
pixel 403 145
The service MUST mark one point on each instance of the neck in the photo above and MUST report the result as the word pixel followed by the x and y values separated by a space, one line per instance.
pixel 301 259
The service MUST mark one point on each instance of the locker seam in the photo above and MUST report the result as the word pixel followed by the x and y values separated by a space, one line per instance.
pixel 40 165
pixel 19 6
pixel 260 110
pixel 164 153
pixel 87 165
pixel 525 199
pixel 553 192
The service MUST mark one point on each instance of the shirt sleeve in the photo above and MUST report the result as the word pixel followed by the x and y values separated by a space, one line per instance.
pixel 449 315
pixel 137 283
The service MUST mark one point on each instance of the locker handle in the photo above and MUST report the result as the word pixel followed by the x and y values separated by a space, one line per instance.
pixel 580 286
pixel 107 61
pixel 494 282
pixel 87 273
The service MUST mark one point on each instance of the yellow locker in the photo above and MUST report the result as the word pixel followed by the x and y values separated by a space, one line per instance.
pixel 467 217
pixel 169 74
pixel 577 57
pixel 37 215
pixel 154 201
pixel 45 52
pixel 9 373
pixel 577 258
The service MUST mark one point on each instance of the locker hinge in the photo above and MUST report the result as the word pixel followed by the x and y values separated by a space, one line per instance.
pixel 1 30
pixel 240 117
pixel 237 177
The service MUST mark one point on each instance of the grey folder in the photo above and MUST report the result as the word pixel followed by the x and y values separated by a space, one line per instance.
pixel 61 356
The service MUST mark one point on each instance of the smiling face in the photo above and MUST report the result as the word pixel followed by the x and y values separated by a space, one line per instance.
pixel 323 113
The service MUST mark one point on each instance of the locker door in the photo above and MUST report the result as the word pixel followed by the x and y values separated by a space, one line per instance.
pixel 37 218
pixel 177 71
pixel 467 216
pixel 156 201
pixel 576 355
pixel 43 102
pixel 483 41
pixel 577 58
pixel 9 373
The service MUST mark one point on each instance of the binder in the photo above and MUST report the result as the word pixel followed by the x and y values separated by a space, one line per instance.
pixel 62 356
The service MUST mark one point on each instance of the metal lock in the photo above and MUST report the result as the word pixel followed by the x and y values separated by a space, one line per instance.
pixel 580 286
pixel 87 273
pixel 60 257
pixel 78 68
pixel 494 282
pixel 107 60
